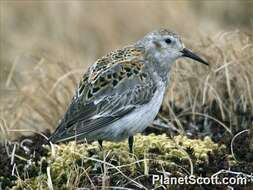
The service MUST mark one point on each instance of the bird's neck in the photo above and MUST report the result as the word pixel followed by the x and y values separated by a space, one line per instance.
pixel 161 69
pixel 163 73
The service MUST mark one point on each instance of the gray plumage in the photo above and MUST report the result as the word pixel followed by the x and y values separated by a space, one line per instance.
pixel 121 94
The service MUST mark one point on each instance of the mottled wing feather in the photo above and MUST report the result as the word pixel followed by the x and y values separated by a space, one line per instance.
pixel 106 95
pixel 108 70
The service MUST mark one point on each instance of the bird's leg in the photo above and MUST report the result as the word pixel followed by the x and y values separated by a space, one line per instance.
pixel 130 143
pixel 100 142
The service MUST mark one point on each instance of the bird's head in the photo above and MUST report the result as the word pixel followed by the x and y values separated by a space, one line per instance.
pixel 165 47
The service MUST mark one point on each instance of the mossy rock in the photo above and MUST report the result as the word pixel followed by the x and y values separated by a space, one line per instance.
pixel 85 165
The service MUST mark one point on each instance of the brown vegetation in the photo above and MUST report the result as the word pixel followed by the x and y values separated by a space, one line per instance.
pixel 46 46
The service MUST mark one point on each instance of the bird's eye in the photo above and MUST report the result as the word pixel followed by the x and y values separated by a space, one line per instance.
pixel 168 40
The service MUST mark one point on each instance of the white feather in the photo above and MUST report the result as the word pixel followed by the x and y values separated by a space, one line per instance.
pixel 134 122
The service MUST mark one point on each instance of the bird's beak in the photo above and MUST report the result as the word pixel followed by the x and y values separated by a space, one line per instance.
pixel 187 53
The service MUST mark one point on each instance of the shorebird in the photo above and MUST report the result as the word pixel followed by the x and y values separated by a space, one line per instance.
pixel 121 93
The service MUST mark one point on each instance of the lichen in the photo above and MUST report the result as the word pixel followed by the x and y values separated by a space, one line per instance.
pixel 85 165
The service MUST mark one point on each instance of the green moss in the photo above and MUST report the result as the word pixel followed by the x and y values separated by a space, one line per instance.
pixel 84 165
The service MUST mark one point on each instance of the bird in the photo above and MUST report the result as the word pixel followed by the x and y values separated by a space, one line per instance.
pixel 122 92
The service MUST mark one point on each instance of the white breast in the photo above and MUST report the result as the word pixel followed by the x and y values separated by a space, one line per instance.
pixel 136 121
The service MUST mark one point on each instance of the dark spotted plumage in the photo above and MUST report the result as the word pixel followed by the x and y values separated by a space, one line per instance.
pixel 121 93
pixel 115 85
pixel 110 71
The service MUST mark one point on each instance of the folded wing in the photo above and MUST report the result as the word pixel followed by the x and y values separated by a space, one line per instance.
pixel 106 95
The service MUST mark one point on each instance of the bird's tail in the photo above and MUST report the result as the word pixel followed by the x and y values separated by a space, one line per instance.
pixel 57 134
pixel 62 134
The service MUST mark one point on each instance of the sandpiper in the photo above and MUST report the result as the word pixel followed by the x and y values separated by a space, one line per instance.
pixel 121 93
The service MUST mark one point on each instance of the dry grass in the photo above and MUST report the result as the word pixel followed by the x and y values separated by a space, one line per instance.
pixel 49 45
pixel 227 83
pixel 46 46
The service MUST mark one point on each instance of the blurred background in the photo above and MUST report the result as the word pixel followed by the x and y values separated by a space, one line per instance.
pixel 47 45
